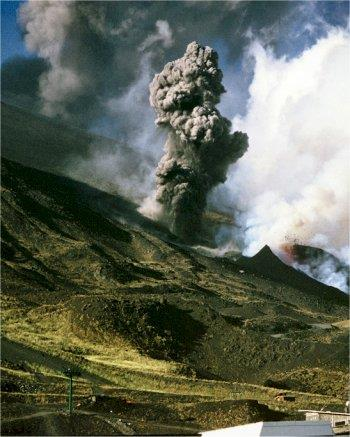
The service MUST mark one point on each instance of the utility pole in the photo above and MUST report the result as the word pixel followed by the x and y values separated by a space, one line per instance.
pixel 69 372
pixel 70 395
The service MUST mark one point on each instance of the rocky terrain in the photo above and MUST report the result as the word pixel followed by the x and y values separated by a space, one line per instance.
pixel 169 336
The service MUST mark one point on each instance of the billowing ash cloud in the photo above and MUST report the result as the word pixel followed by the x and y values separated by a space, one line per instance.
pixel 199 147
pixel 321 265
pixel 94 49
pixel 96 60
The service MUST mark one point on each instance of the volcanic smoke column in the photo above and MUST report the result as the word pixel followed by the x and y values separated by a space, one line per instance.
pixel 199 147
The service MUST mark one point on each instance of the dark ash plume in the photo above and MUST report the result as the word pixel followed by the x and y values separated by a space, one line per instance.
pixel 200 147
pixel 94 49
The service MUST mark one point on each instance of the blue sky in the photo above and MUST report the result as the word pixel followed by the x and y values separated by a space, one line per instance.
pixel 94 79
pixel 11 39
pixel 336 13
pixel 288 27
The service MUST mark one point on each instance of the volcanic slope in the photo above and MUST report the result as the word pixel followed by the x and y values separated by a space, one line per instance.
pixel 54 146
pixel 41 142
pixel 78 281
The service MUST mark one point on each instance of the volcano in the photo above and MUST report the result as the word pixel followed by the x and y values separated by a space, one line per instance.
pixel 156 327
pixel 269 265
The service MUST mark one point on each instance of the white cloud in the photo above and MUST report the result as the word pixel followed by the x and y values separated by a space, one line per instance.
pixel 163 34
pixel 293 181
pixel 46 26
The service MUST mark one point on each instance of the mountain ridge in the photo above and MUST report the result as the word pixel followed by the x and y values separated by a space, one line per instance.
pixel 266 263
pixel 87 281
pixel 60 250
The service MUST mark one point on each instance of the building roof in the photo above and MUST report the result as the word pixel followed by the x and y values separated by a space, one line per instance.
pixel 335 413
pixel 275 429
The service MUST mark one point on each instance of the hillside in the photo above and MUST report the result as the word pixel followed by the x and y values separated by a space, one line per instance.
pixel 51 145
pixel 88 281
pixel 267 264
pixel 58 248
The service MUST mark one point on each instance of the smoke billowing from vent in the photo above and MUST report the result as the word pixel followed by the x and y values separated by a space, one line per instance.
pixel 199 147
pixel 86 47
pixel 292 184
pixel 96 60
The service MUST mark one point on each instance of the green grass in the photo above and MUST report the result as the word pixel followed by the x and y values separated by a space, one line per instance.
pixel 124 366
pixel 144 316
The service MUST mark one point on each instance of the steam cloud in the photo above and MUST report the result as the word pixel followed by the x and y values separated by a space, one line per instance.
pixel 296 115
pixel 292 184
pixel 199 147
pixel 93 50
pixel 326 269
pixel 84 46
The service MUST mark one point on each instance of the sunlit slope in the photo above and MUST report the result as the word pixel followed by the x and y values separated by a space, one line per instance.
pixel 117 291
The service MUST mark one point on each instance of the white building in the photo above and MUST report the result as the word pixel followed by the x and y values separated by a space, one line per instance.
pixel 275 429
pixel 335 418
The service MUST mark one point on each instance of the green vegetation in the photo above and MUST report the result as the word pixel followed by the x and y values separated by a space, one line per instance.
pixel 170 335
pixel 313 380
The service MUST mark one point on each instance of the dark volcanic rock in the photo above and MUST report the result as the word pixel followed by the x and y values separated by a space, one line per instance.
pixel 88 261
pixel 267 264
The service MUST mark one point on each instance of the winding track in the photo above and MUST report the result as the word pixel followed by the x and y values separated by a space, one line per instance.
pixel 53 427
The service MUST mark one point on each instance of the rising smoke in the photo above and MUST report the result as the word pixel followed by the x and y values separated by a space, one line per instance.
pixel 292 184
pixel 324 267
pixel 292 181
pixel 94 49
pixel 199 147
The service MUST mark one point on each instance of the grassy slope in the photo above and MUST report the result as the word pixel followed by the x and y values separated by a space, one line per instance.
pixel 89 280
pixel 94 277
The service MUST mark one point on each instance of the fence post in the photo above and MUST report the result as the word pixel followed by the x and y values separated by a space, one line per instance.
pixel 70 372
pixel 70 395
